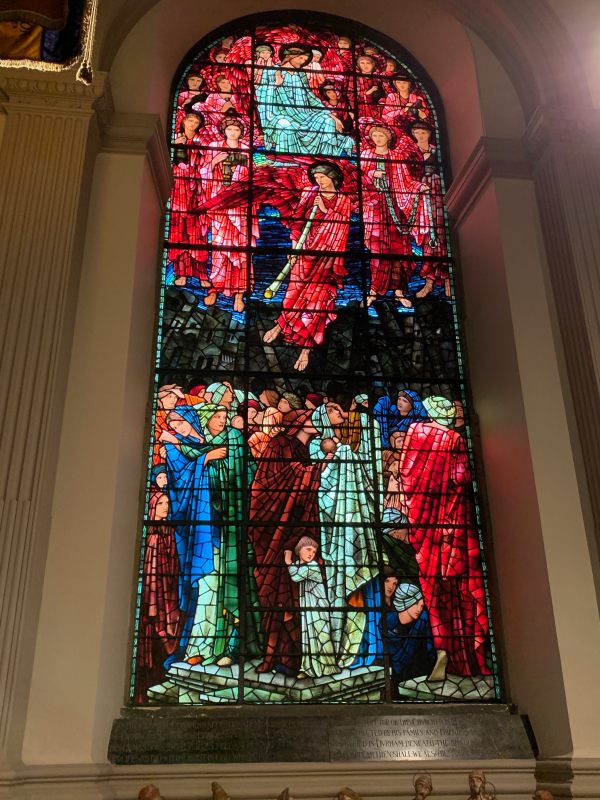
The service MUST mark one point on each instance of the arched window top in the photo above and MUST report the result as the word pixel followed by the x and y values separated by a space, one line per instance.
pixel 344 54
pixel 311 529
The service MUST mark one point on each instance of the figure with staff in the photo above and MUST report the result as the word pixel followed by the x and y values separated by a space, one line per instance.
pixel 308 194
pixel 316 270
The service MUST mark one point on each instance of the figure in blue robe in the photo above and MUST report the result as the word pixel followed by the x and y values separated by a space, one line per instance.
pixel 370 651
pixel 391 419
pixel 410 641
pixel 292 117
pixel 188 482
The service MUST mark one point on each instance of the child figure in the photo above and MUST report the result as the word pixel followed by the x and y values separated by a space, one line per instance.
pixel 318 655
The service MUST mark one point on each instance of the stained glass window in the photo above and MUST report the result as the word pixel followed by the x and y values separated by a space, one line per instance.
pixel 312 530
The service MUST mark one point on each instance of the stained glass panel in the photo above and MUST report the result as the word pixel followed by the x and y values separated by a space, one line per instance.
pixel 312 530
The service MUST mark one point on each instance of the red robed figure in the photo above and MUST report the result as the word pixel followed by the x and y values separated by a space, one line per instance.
pixel 284 507
pixel 160 617
pixel 436 479
pixel 315 279
pixel 383 236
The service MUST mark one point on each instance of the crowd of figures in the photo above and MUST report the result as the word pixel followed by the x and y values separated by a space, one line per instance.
pixel 322 129
pixel 319 533
pixel 310 535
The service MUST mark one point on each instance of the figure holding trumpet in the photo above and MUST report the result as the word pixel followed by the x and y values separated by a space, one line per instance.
pixel 320 225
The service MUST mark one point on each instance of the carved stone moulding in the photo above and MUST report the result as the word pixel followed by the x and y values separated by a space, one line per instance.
pixel 48 91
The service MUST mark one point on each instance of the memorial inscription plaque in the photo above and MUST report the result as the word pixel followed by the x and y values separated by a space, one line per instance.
pixel 285 735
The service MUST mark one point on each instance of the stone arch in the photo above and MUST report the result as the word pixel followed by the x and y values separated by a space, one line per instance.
pixel 530 42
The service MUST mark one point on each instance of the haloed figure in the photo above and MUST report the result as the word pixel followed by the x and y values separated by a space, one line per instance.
pixel 334 98
pixel 220 103
pixel 403 103
pixel 230 271
pixel 195 92
pixel 263 57
pixel 322 219
pixel 186 227
pixel 315 70
pixel 292 117
pixel 370 91
pixel 392 211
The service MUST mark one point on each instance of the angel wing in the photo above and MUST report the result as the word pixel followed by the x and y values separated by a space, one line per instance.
pixel 286 34
pixel 282 185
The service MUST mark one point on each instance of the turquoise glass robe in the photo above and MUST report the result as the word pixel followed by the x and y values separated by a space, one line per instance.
pixel 318 654
pixel 347 509
pixel 295 120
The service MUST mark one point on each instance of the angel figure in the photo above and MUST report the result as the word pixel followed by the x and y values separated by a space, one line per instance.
pixel 320 225
pixel 317 212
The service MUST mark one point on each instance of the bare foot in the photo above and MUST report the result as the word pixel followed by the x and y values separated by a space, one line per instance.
pixel 205 284
pixel 238 302
pixel 427 289
pixel 301 676
pixel 447 290
pixel 194 660
pixel 224 661
pixel 210 299
pixel 302 360
pixel 404 301
pixel 180 281
pixel 272 334
pixel 438 673
pixel 371 297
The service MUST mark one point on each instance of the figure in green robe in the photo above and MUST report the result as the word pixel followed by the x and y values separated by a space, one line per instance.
pixel 215 633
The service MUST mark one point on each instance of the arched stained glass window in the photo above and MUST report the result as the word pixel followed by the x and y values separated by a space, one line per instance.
pixel 311 529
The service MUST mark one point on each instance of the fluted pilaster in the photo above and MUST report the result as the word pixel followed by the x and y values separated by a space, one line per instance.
pixel 43 159
pixel 565 147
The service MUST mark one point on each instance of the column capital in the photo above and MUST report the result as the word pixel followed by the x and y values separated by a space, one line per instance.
pixel 136 134
pixel 49 92
pixel 491 158
pixel 575 127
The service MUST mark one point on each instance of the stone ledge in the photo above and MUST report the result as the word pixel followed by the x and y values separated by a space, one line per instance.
pixel 513 780
pixel 325 733
pixel 570 777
